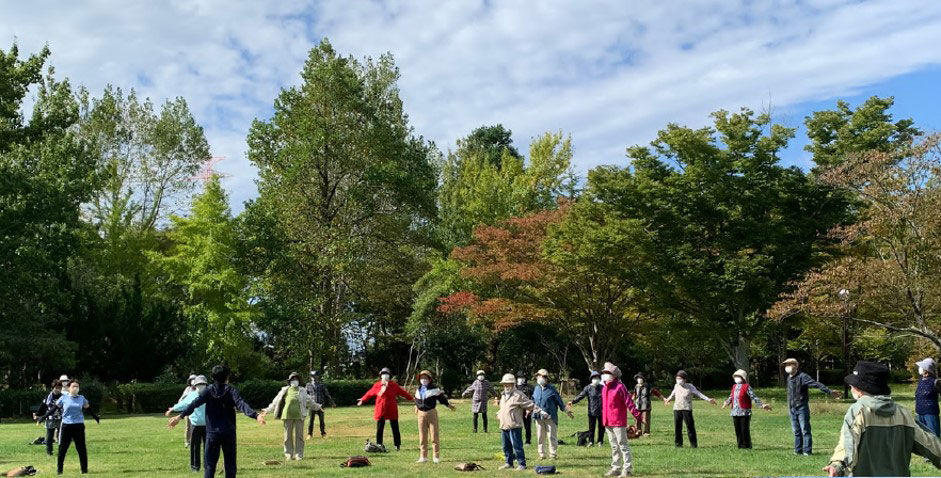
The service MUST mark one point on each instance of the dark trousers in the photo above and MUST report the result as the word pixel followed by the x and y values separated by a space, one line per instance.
pixel 742 430
pixel 197 444
pixel 50 439
pixel 323 426
pixel 216 442
pixel 381 426
pixel 73 433
pixel 592 422
pixel 680 416
pixel 528 425
pixel 482 415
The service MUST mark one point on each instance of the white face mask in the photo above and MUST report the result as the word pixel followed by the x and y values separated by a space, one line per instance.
pixel 606 377
pixel 295 383
pixel 507 388
pixel 640 381
pixel 200 388
pixel 738 380
pixel 680 381
pixel 480 377
pixel 789 369
pixel 385 377
pixel 521 381
pixel 542 381
pixel 425 381
pixel 595 381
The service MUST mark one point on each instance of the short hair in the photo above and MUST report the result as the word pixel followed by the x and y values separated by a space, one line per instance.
pixel 75 381
pixel 57 383
pixel 220 373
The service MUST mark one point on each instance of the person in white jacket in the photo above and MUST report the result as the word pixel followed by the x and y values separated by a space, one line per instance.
pixel 292 405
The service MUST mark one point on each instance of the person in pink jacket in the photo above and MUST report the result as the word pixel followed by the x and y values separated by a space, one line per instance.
pixel 616 402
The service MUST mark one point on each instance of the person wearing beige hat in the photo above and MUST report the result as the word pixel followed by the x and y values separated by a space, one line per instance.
pixel 292 405
pixel 799 402
pixel 513 404
pixel 427 398
pixel 482 390
pixel 741 399
pixel 547 398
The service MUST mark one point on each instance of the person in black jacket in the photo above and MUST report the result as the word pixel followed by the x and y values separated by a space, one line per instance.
pixel 427 398
pixel 593 392
pixel 318 391
pixel 51 415
pixel 221 400
pixel 527 390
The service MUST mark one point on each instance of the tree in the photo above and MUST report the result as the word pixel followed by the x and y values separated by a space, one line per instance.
pixel 45 174
pixel 726 227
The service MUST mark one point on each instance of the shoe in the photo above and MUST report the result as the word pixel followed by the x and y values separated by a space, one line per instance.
pixel 298 457
pixel 505 466
pixel 323 435
pixel 612 473
pixel 475 430
pixel 542 457
pixel 599 444
pixel 646 434
pixel 287 456
pixel 398 447
pixel 626 474
pixel 521 468
pixel 436 460
pixel 589 445
pixel 422 460
pixel 807 454
pixel 309 436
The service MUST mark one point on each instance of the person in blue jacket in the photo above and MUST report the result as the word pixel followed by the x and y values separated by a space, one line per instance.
pixel 926 396
pixel 548 402
pixel 221 400
pixel 197 420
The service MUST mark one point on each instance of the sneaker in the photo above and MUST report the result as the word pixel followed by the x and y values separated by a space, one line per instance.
pixel 436 460
pixel 612 472
pixel 287 456
pixel 309 436
pixel 422 460
pixel 298 457
pixel 398 447
pixel 807 454
pixel 323 435
pixel 600 444
pixel 521 468
pixel 505 466
pixel 589 445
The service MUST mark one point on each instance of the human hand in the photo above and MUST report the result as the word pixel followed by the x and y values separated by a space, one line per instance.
pixel 569 404
pixel 359 403
pixel 724 405
pixel 261 419
pixel 830 470
pixel 666 403
pixel 168 412
pixel 173 421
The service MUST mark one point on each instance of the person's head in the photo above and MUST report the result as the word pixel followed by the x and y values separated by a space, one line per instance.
pixel 314 376
pixel 681 377
pixel 639 377
pixel 610 372
pixel 740 376
pixel 595 377
pixel 791 366
pixel 481 375
pixel 189 381
pixel 56 387
pixel 385 375
pixel 520 378
pixel 64 380
pixel 424 378
pixel 200 383
pixel 508 382
pixel 926 367
pixel 869 378
pixel 294 380
pixel 542 377
pixel 74 387
pixel 220 374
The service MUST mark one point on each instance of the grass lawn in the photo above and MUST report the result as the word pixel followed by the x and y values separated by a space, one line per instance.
pixel 138 446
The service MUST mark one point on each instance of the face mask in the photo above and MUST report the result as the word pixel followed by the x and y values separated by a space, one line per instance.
pixel 640 381
pixel 480 377
pixel 521 381
pixel 595 381
pixel 542 381
pixel 789 369
pixel 680 381
pixel 507 388
pixel 295 383
pixel 738 380
pixel 425 381
pixel 606 377
pixel 385 377
pixel 200 388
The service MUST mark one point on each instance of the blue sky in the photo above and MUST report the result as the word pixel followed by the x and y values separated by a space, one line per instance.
pixel 610 73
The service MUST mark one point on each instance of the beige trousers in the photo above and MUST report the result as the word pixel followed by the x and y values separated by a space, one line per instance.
pixel 547 431
pixel 294 437
pixel 428 424
pixel 620 450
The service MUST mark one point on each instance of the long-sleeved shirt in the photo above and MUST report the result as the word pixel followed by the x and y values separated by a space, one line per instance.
pixel 878 438
pixel 482 390
pixel 797 389
pixel 49 412
pixel 684 393
pixel 221 402
pixel 549 401
pixel 738 408
pixel 198 417
pixel 642 394
pixel 593 394
pixel 319 393
pixel 616 403
pixel 926 396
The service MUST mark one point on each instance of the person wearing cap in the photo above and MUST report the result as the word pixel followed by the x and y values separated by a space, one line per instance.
pixel 188 389
pixel 64 380
pixel 527 389
pixel 512 406
pixel 878 435
pixel 684 392
pixel 386 393
pixel 482 390
pixel 616 403
pixel 317 391
pixel 592 392
pixel 798 400
pixel 291 405
pixel 741 399
pixel 549 402
pixel 197 420
pixel 49 414
pixel 926 396
pixel 427 398
pixel 643 390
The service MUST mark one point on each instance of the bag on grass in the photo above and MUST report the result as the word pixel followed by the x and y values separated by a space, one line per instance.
pixel 371 447
pixel 546 470
pixel 22 471
pixel 38 441
pixel 355 462
pixel 583 438
pixel 633 432
pixel 468 467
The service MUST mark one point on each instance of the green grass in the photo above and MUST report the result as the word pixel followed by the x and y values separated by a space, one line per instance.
pixel 137 446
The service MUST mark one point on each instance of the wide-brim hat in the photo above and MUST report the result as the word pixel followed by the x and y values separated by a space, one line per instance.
pixel 870 377
pixel 63 378
pixel 927 364
pixel 791 361
pixel 385 370
pixel 682 374
pixel 425 373
pixel 508 378
pixel 521 374
pixel 200 380
pixel 741 373
pixel 480 372
pixel 542 373
pixel 293 376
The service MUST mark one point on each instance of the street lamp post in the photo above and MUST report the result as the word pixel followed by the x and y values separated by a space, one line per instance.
pixel 844 295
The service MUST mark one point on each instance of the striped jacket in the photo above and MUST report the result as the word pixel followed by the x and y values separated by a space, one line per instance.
pixel 878 438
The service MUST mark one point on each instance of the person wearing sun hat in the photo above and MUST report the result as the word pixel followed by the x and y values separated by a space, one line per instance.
pixel 879 436
pixel 188 432
pixel 292 405
pixel 741 399
pixel 799 402
pixel 482 390
pixel 926 396
pixel 386 392
pixel 427 398
pixel 592 392
pixel 197 420
pixel 548 400
pixel 616 403
pixel 643 390
pixel 513 404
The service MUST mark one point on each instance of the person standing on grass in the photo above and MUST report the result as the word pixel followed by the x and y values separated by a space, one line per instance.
pixel 482 390
pixel 643 390
pixel 51 415
pixel 549 402
pixel 427 398
pixel 197 420
pixel 926 396
pixel 321 396
pixel 527 390
pixel 386 392
pixel 190 388
pixel 616 403
pixel 512 405
pixel 73 408
pixel 684 392
pixel 878 436
pixel 799 403
pixel 741 399
pixel 221 401
pixel 592 392
pixel 292 405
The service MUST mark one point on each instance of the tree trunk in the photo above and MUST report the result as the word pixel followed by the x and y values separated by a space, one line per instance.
pixel 737 351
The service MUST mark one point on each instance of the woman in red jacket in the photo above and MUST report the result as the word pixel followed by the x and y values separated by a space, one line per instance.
pixel 386 392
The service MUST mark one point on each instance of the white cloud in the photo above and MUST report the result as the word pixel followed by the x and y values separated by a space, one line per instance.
pixel 609 72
